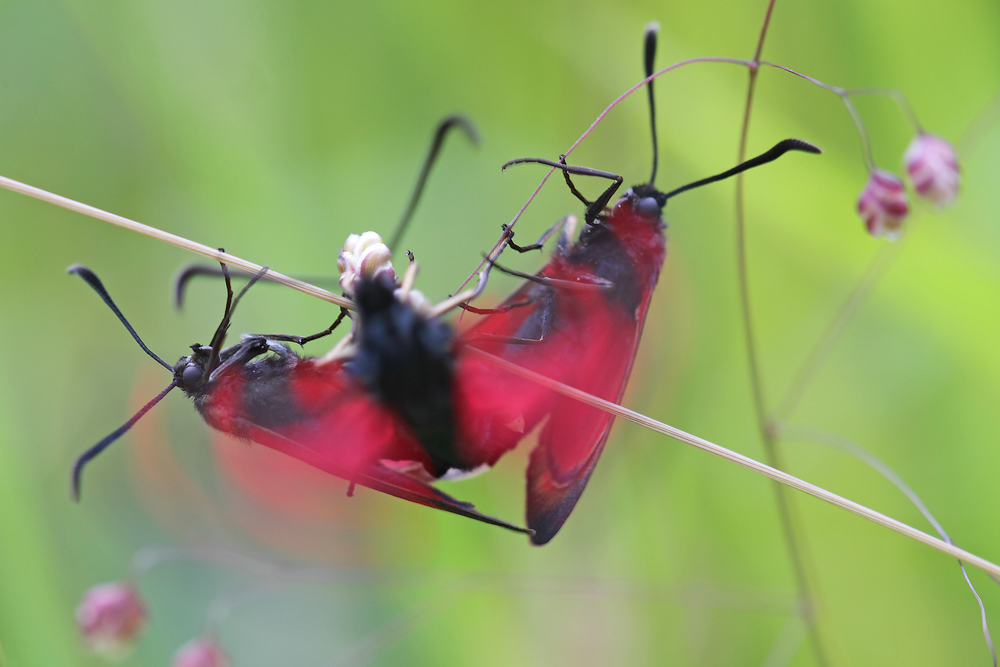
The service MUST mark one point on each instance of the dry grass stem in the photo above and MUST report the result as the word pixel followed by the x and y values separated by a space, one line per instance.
pixel 750 464
pixel 173 239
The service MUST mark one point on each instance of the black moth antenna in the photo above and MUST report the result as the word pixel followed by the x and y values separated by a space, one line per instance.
pixel 440 133
pixel 771 155
pixel 439 136
pixel 649 55
pixel 91 279
pixel 119 432
pixel 596 208
pixel 217 340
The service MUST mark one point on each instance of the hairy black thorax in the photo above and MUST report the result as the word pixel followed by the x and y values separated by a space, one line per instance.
pixel 405 360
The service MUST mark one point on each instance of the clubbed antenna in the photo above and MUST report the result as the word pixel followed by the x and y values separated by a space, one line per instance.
pixel 119 432
pixel 776 151
pixel 649 55
pixel 91 278
pixel 217 340
pixel 438 141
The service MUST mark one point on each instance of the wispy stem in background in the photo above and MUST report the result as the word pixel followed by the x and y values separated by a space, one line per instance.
pixel 797 551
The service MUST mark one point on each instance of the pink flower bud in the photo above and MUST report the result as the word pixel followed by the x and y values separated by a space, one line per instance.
pixel 202 652
pixel 882 205
pixel 933 168
pixel 110 616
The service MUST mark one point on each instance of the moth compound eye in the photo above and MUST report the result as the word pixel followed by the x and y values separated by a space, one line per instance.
pixel 647 207
pixel 191 375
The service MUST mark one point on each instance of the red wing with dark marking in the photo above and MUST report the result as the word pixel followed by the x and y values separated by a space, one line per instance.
pixel 587 338
pixel 332 424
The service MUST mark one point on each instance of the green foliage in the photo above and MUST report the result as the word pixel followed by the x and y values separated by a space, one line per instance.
pixel 275 129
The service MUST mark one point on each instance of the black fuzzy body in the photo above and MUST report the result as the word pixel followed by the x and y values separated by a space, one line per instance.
pixel 405 360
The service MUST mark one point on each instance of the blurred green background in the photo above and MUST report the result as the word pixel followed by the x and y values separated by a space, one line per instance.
pixel 275 129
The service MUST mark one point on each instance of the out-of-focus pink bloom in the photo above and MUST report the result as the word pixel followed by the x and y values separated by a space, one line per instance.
pixel 882 205
pixel 933 168
pixel 110 617
pixel 202 652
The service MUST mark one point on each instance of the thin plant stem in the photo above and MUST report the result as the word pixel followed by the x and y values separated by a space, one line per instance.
pixel 798 553
pixel 222 607
pixel 366 649
pixel 899 98
pixel 146 559
pixel 498 246
pixel 985 121
pixel 279 574
pixel 887 254
pixel 883 259
pixel 179 241
pixel 793 634
pixel 825 438
pixel 848 311
pixel 746 462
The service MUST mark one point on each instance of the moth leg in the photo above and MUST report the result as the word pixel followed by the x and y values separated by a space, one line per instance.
pixel 585 281
pixel 571 186
pixel 505 340
pixel 498 310
pixel 247 349
pixel 567 225
pixel 191 271
pixel 302 340
pixel 596 208
pixel 534 330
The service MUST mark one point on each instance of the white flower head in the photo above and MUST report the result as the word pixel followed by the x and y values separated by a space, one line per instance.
pixel 364 257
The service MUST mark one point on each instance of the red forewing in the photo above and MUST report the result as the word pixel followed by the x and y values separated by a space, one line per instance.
pixel 586 338
pixel 321 415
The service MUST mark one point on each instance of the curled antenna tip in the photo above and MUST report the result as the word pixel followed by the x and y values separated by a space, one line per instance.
pixel 797 145
pixel 810 148
pixel 467 126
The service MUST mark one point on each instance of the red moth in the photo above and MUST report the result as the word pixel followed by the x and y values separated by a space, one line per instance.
pixel 578 321
pixel 409 403
pixel 381 416
pixel 329 414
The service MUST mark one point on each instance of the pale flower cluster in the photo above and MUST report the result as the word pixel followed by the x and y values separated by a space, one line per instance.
pixel 364 256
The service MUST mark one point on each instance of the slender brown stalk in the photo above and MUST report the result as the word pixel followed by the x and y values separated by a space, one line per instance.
pixel 845 315
pixel 798 553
